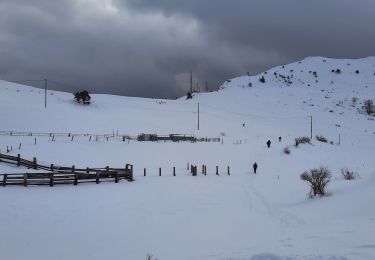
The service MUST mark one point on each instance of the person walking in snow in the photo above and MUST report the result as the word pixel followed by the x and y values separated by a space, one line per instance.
pixel 268 143
pixel 255 167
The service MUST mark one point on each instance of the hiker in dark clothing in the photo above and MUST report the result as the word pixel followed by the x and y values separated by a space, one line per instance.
pixel 268 143
pixel 255 167
pixel 279 138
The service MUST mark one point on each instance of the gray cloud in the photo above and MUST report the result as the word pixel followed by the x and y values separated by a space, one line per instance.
pixel 146 48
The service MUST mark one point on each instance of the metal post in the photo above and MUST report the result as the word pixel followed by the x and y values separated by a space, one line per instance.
pixel 198 116
pixel 45 93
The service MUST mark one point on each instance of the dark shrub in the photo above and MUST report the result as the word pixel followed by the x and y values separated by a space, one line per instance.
pixel 317 179
pixel 189 95
pixel 262 79
pixel 369 107
pixel 348 174
pixel 302 140
pixel 321 138
pixel 82 97
pixel 286 150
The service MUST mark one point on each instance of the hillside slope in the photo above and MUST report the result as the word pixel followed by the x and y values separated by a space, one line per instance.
pixel 241 216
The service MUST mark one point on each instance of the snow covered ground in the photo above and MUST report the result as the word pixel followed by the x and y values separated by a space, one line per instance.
pixel 241 216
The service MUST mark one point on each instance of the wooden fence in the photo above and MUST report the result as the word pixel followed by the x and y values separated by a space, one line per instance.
pixel 60 175
pixel 114 136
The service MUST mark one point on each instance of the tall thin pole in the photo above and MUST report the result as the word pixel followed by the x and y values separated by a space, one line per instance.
pixel 311 126
pixel 191 81
pixel 206 86
pixel 198 115
pixel 45 93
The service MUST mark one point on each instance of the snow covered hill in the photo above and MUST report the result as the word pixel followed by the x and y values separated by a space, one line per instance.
pixel 241 216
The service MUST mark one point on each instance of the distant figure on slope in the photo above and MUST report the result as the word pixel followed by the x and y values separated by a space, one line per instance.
pixel 269 143
pixel 255 167
pixel 279 138
pixel 243 124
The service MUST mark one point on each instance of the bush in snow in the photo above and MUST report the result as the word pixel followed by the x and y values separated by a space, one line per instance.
pixel 302 140
pixel 82 97
pixel 338 71
pixel 286 150
pixel 357 71
pixel 354 101
pixel 368 106
pixel 321 138
pixel 348 174
pixel 317 179
pixel 262 79
pixel 189 95
pixel 150 257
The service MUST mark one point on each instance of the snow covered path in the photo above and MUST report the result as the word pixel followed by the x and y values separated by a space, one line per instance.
pixel 206 217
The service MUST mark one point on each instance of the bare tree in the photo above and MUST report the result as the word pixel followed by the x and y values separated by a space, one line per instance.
pixel 317 179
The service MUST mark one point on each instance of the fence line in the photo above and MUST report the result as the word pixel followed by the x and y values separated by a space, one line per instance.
pixel 113 136
pixel 60 175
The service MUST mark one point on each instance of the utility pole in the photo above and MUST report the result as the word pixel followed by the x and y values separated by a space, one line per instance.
pixel 198 116
pixel 206 86
pixel 45 93
pixel 191 81
pixel 311 126
pixel 198 90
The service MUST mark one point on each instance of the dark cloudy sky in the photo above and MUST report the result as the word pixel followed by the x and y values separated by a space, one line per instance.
pixel 147 47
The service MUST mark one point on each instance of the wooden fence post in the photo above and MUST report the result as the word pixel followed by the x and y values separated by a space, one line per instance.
pixel 75 175
pixel 159 171
pixel 217 170
pixel 18 160
pixel 25 180
pixel 131 172
pixel 5 180
pixel 144 172
pixel 116 176
pixel 51 179
pixel 228 171
pixel 51 167
pixel 97 177
pixel 174 171
pixel 34 163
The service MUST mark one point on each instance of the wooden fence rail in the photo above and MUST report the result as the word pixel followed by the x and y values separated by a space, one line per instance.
pixel 59 174
pixel 113 136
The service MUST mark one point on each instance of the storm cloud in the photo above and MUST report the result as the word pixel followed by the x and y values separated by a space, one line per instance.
pixel 147 48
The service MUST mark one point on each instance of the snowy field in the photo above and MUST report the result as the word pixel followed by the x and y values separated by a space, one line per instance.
pixel 241 216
